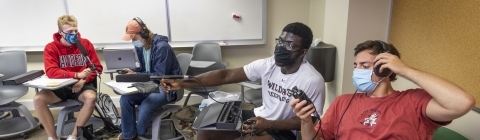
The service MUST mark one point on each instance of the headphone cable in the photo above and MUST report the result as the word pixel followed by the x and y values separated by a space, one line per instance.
pixel 338 126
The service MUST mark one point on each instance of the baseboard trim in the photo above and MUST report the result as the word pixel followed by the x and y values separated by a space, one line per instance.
pixel 194 99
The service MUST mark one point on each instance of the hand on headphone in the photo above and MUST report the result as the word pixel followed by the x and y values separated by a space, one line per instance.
pixel 391 62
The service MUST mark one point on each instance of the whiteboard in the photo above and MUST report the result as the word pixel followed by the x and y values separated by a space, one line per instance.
pixel 22 26
pixel 104 21
pixel 196 20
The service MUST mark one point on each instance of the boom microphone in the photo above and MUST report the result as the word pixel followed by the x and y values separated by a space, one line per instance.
pixel 142 77
pixel 132 77
pixel 171 77
pixel 85 54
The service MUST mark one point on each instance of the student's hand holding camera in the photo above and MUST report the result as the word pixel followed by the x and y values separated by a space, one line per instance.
pixel 302 111
pixel 84 74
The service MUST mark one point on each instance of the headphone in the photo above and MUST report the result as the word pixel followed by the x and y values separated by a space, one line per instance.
pixel 385 71
pixel 144 32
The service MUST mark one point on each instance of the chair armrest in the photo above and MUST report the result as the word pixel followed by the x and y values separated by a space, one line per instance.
pixel 250 85
pixel 111 72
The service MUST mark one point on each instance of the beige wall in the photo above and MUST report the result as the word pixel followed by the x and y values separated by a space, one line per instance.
pixel 328 20
pixel 279 14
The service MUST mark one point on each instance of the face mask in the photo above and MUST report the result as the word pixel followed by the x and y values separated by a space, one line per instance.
pixel 138 44
pixel 71 38
pixel 282 55
pixel 362 79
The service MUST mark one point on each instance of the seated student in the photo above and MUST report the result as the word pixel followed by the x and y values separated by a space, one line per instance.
pixel 156 58
pixel 279 74
pixel 63 59
pixel 380 112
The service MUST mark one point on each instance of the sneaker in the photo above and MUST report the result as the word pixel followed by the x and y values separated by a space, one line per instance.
pixel 121 138
pixel 71 137
pixel 50 138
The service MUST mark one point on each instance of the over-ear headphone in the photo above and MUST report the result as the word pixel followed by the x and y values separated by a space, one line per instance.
pixel 144 32
pixel 385 72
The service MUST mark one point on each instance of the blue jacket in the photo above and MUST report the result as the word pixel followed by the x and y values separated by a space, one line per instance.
pixel 162 58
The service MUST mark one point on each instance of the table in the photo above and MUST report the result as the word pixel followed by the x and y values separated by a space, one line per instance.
pixel 201 64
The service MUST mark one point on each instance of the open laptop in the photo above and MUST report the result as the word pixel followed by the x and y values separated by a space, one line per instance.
pixel 117 59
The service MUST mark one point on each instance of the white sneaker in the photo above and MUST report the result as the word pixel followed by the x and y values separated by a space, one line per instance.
pixel 71 138
pixel 50 138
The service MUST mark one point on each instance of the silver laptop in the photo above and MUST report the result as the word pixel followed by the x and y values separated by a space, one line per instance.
pixel 117 59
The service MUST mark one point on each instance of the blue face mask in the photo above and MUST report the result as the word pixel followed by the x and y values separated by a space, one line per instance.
pixel 362 79
pixel 71 38
pixel 138 43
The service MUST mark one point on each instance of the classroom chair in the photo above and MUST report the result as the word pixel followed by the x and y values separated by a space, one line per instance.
pixel 66 119
pixel 13 63
pixel 205 52
pixel 253 96
pixel 184 60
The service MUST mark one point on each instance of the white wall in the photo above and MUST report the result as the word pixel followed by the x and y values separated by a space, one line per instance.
pixel 348 23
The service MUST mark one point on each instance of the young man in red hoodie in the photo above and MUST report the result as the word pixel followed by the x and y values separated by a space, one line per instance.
pixel 63 59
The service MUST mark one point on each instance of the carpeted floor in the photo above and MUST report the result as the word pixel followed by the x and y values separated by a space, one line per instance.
pixel 40 134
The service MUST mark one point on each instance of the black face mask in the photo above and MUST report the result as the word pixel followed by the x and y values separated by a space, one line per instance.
pixel 283 56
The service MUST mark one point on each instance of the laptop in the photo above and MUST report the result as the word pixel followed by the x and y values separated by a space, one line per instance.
pixel 117 59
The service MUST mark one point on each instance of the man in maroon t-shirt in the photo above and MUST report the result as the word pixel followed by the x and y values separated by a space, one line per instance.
pixel 379 111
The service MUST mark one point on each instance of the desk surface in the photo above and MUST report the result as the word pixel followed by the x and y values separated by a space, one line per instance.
pixel 69 82
pixel 201 64
pixel 119 91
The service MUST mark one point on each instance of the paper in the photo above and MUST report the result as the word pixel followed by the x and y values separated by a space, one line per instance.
pixel 45 81
pixel 124 87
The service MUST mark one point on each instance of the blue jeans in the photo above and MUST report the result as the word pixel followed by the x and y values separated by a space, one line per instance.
pixel 148 103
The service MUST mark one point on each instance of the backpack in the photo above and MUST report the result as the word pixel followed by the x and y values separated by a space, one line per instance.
pixel 109 114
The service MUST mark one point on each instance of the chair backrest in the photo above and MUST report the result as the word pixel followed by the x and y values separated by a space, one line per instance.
pixel 12 63
pixel 206 52
pixel 184 60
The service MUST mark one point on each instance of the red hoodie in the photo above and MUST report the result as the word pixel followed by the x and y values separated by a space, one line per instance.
pixel 62 61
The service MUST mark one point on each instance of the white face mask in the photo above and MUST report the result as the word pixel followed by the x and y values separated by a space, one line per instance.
pixel 138 43
pixel 362 80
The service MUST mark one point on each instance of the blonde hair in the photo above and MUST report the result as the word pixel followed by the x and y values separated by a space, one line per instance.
pixel 66 19
pixel 149 40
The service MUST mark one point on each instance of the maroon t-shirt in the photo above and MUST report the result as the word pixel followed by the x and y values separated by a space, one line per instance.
pixel 400 115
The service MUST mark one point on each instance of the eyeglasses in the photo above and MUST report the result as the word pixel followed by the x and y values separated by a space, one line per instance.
pixel 287 44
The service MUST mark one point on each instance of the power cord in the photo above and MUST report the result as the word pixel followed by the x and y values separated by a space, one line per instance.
pixel 235 114
pixel 338 126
